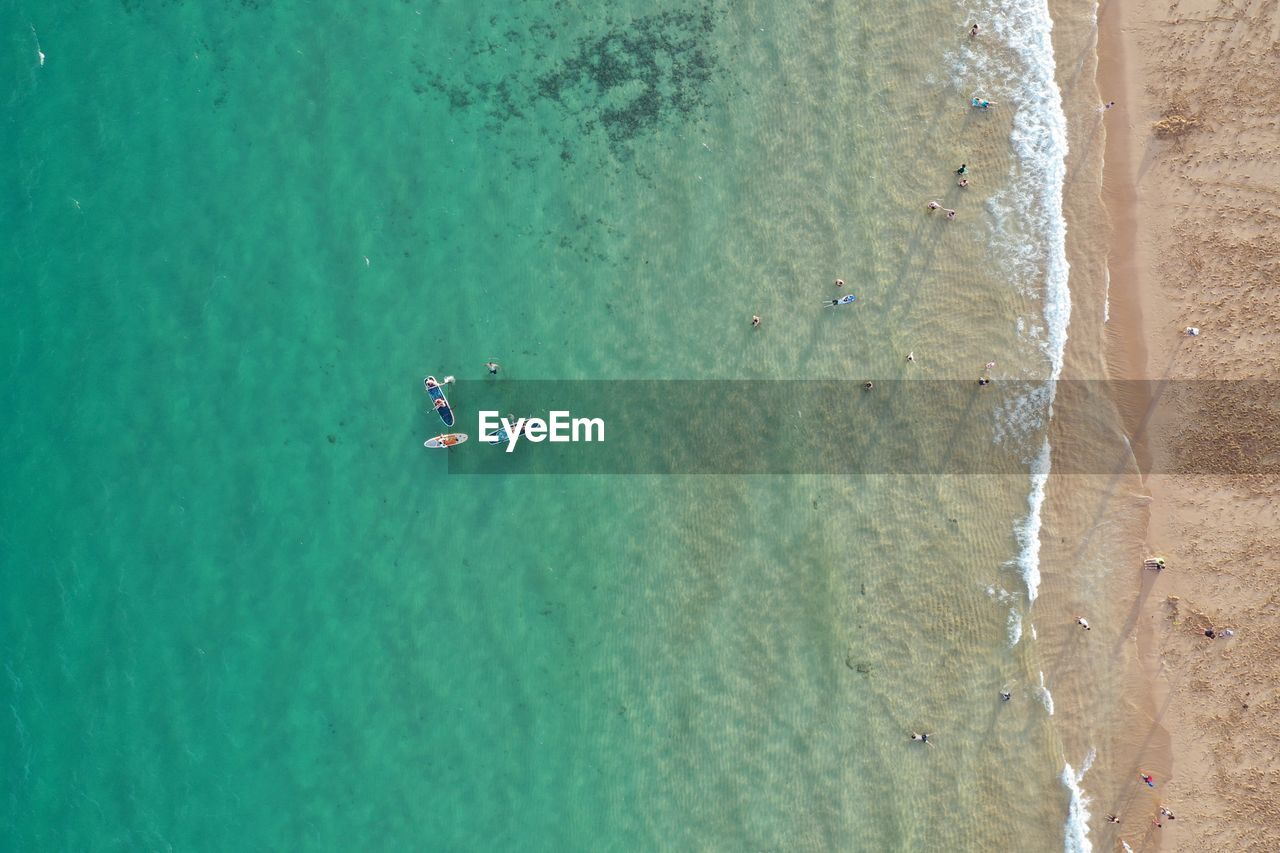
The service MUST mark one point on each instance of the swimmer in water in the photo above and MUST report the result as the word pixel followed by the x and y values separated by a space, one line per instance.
pixel 1146 777
pixel 755 321
pixel 911 356
pixel 868 386
pixel 934 205
pixel 839 282
pixel 924 738
pixel 951 214
pixel 492 367
pixel 963 182
pixel 1005 695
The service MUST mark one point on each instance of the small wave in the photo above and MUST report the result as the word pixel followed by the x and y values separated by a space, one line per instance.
pixel 1039 139
pixel 1028 530
pixel 1046 698
pixel 1015 626
pixel 1106 295
pixel 1025 74
pixel 1077 829
pixel 1005 597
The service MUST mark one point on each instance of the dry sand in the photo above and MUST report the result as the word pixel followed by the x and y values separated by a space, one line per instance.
pixel 1192 185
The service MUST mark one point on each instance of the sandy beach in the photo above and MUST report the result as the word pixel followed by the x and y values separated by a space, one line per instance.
pixel 1191 186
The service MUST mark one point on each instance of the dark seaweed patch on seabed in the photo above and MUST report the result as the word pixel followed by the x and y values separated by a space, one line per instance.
pixel 638 76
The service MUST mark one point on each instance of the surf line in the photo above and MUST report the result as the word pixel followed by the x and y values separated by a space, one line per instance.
pixel 560 426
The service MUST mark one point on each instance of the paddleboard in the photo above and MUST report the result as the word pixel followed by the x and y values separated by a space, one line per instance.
pixel 449 439
pixel 438 401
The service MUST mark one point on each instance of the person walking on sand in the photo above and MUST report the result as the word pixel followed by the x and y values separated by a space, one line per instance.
pixel 1113 818
pixel 492 367
pixel 1190 331
pixel 962 169
pixel 1083 623
pixel 963 182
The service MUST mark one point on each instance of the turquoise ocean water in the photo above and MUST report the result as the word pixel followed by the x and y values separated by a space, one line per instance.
pixel 245 609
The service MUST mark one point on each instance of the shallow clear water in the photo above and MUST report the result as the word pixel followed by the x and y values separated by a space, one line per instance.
pixel 244 608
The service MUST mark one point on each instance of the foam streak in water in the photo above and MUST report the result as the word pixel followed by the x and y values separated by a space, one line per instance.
pixel 1039 140
pixel 1046 698
pixel 1028 531
pixel 1077 840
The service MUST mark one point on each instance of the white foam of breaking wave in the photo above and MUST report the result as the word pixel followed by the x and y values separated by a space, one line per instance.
pixel 1077 829
pixel 1039 139
pixel 1014 63
pixel 1106 295
pixel 1046 698
pixel 1027 530
pixel 1015 626
pixel 1015 615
